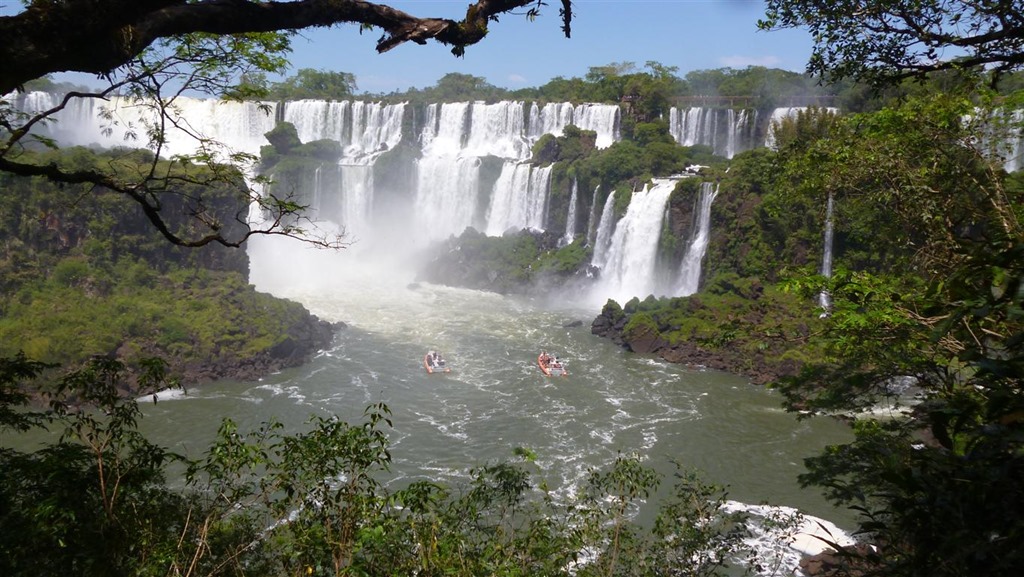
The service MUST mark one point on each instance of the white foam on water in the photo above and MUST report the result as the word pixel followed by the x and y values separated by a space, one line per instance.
pixel 782 536
pixel 164 395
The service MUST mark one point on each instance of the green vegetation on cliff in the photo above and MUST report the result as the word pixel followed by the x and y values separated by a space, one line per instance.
pixel 735 324
pixel 923 316
pixel 84 274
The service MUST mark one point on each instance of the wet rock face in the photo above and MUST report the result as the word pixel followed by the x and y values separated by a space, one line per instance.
pixel 646 340
pixel 851 562
pixel 610 324
pixel 306 337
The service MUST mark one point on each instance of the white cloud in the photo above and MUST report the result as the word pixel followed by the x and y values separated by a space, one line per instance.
pixel 744 61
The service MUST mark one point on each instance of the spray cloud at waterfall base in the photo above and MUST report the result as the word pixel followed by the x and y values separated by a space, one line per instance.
pixel 407 177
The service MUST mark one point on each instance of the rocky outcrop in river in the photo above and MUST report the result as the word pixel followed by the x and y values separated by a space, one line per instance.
pixel 740 330
pixel 305 337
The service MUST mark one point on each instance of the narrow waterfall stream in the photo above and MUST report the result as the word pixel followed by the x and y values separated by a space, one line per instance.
pixel 689 272
pixel 570 219
pixel 826 256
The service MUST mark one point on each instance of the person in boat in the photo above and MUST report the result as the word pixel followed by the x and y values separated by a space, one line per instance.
pixel 555 363
pixel 544 359
pixel 438 360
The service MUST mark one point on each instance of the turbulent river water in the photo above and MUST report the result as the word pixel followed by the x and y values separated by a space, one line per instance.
pixel 495 398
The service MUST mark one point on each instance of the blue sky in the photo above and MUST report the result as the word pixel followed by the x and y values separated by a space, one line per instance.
pixel 688 34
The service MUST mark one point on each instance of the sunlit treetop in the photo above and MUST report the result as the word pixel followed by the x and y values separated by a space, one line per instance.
pixel 882 41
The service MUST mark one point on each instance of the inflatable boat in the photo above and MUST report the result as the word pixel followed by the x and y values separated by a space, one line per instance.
pixel 551 366
pixel 434 363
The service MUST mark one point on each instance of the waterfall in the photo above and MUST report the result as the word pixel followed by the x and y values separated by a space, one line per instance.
pixel 693 126
pixel 778 115
pixel 444 130
pixel 553 117
pixel 630 267
pixel 362 128
pixel 570 220
pixel 446 195
pixel 357 198
pixel 447 186
pixel 591 231
pixel 461 156
pixel 602 119
pixel 447 181
pixel 727 131
pixel 689 272
pixel 497 130
pixel 1015 150
pixel 1003 137
pixel 605 228
pixel 318 188
pixel 464 133
pixel 365 130
pixel 121 121
pixel 824 299
pixel 318 120
pixel 742 125
pixel 519 199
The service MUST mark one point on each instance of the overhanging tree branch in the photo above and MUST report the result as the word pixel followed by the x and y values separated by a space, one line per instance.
pixel 144 194
pixel 97 36
pixel 884 41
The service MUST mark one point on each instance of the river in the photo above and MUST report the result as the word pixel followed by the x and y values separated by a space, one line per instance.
pixel 495 398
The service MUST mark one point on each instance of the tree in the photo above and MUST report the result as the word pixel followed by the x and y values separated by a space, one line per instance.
pixel 883 41
pixel 453 87
pixel 936 477
pixel 153 51
pixel 315 84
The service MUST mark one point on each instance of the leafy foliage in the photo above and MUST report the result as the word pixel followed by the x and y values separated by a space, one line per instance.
pixel 883 41
pixel 930 332
pixel 315 502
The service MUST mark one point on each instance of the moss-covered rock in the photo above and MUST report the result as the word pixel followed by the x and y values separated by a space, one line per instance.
pixel 516 263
